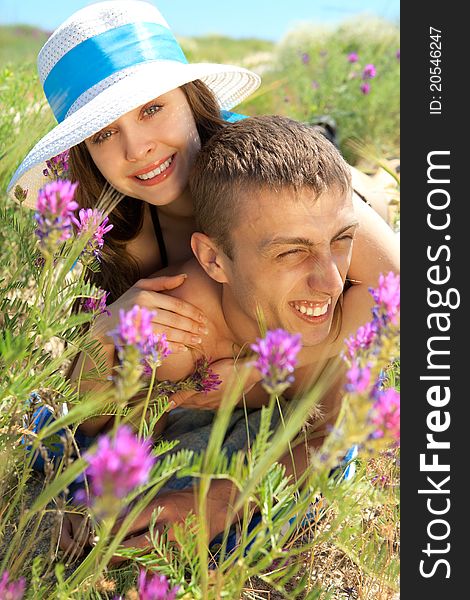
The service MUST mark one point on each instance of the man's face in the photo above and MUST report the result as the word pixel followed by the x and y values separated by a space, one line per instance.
pixel 291 257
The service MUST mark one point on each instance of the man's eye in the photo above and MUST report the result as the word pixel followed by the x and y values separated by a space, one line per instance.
pixel 348 236
pixel 289 253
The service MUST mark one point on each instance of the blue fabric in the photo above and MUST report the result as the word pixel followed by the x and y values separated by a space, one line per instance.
pixel 107 53
pixel 231 117
pixel 41 417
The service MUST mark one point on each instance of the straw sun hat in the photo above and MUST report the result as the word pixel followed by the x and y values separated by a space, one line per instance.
pixel 105 60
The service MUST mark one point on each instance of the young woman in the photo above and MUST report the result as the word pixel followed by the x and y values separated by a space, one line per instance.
pixel 134 114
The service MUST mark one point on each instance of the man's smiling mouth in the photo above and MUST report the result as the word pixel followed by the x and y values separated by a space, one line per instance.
pixel 311 309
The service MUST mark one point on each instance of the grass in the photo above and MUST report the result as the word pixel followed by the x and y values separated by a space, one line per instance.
pixel 352 552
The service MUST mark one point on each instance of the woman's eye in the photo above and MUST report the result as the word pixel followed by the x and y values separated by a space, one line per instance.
pixel 102 137
pixel 151 110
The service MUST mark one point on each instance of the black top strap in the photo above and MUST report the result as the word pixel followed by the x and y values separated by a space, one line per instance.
pixel 159 235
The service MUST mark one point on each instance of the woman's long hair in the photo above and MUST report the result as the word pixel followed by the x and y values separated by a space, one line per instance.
pixel 119 270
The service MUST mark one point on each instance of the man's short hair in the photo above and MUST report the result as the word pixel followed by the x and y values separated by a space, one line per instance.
pixel 265 152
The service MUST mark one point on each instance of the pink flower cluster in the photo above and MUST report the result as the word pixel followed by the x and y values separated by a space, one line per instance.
pixel 386 413
pixel 119 464
pixel 97 304
pixel 55 218
pixel 155 587
pixel 358 378
pixel 11 590
pixel 368 73
pixel 387 297
pixel 277 358
pixel 363 339
pixel 57 166
pixel 54 215
pixel 135 330
pixel 361 348
pixel 91 219
pixel 204 378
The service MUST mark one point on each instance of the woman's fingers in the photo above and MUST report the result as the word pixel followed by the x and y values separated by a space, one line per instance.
pixel 191 332
pixel 182 309
pixel 74 535
pixel 161 282
pixel 66 541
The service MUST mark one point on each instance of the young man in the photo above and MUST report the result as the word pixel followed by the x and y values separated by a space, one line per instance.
pixel 273 200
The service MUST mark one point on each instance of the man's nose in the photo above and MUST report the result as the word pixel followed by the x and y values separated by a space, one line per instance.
pixel 325 276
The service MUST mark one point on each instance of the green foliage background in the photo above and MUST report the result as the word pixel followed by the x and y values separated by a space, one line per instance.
pixel 305 76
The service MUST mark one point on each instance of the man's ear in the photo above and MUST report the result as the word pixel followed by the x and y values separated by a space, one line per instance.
pixel 212 259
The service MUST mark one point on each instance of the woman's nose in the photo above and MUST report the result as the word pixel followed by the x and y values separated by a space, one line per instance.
pixel 138 148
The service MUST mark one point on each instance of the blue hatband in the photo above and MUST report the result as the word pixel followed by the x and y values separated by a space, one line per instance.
pixel 107 53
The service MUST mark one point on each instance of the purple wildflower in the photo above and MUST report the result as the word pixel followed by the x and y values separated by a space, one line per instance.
pixel 135 329
pixel 13 590
pixel 57 166
pixel 397 54
pixel 305 58
pixel 353 57
pixel 119 464
pixel 204 378
pixel 369 72
pixel 363 339
pixel 155 587
pixel 386 413
pixel 365 88
pixel 387 297
pixel 91 220
pixel 358 378
pixel 380 480
pixel 315 84
pixel 55 206
pixel 97 304
pixel 277 357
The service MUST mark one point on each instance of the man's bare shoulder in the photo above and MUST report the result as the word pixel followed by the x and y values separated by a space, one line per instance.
pixel 198 289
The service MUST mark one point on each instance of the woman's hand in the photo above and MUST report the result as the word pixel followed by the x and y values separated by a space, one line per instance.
pixel 183 323
pixel 74 534
pixel 227 370
pixel 175 507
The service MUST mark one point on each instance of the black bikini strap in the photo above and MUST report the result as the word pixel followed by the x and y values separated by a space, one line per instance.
pixel 159 235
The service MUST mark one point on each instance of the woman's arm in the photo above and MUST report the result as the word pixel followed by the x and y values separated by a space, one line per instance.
pixel 376 250
pixel 178 319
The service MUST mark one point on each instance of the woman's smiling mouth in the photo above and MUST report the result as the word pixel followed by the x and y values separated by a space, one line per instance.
pixel 155 173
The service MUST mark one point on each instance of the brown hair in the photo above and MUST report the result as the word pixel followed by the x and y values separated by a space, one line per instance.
pixel 271 152
pixel 119 270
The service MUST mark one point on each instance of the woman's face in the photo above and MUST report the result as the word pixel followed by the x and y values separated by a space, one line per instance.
pixel 148 152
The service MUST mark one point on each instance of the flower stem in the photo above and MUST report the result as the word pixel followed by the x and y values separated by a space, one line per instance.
pixel 147 401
